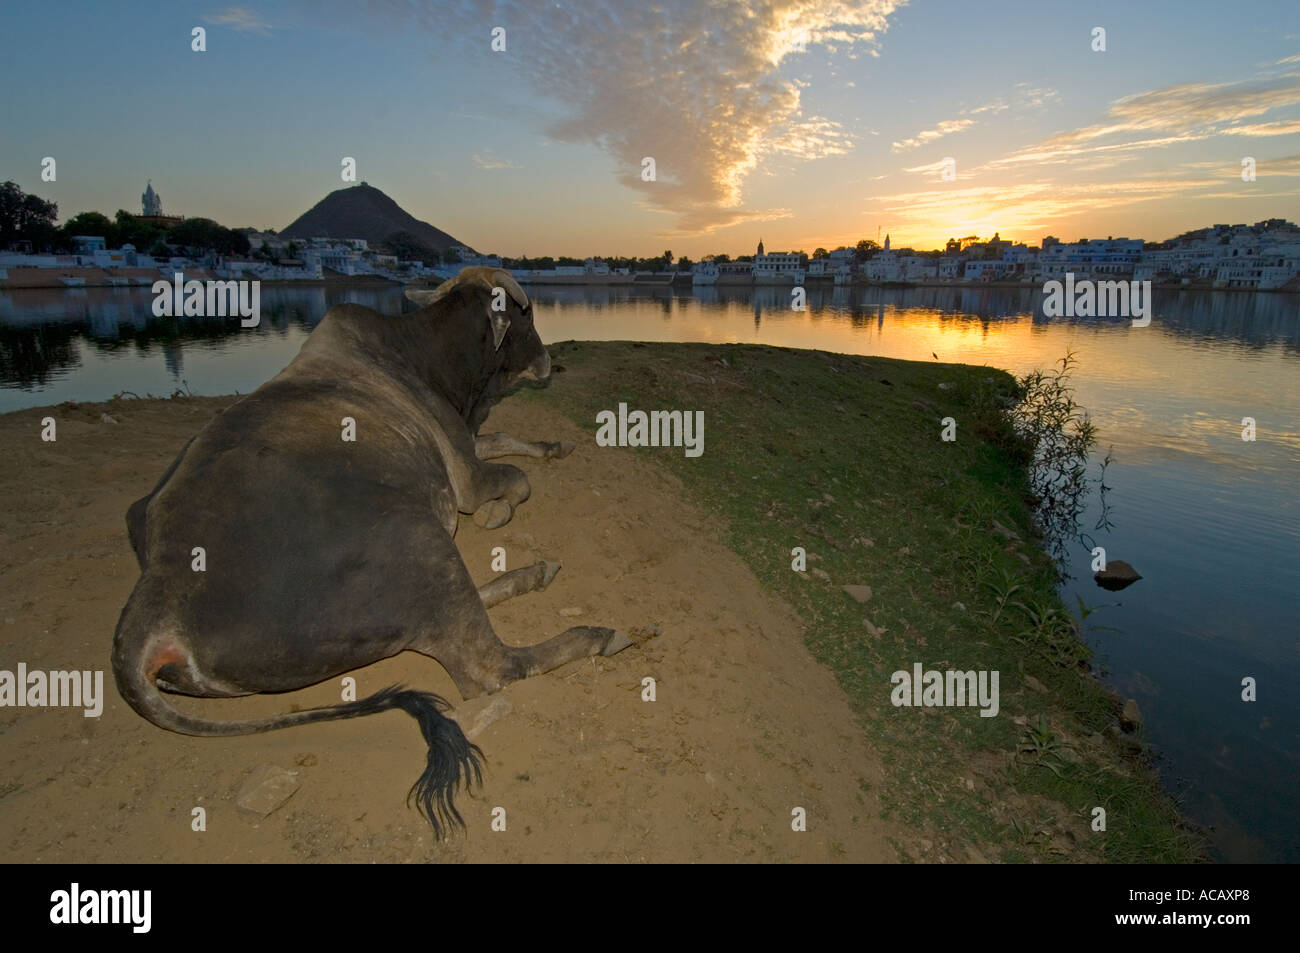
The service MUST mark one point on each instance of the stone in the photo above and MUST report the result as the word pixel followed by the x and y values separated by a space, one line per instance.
pixel 1130 719
pixel 821 574
pixel 1116 576
pixel 572 611
pixel 1034 685
pixel 266 790
pixel 871 627
pixel 859 593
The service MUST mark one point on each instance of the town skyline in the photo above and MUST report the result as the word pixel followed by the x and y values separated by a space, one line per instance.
pixel 152 206
pixel 808 124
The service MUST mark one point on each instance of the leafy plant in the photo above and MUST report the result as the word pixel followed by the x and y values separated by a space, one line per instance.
pixel 1049 419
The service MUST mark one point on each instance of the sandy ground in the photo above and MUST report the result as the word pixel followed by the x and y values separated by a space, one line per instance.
pixel 746 726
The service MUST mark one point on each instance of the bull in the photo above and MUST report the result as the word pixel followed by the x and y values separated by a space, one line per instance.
pixel 323 555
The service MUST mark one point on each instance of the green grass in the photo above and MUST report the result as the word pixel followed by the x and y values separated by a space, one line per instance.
pixel 806 448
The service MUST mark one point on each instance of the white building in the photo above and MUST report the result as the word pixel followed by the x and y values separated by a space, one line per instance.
pixel 778 267
pixel 1097 256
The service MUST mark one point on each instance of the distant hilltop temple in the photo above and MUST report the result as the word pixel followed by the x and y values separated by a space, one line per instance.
pixel 152 200
pixel 153 213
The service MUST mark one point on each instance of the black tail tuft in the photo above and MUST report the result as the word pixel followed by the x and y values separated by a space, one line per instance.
pixel 452 758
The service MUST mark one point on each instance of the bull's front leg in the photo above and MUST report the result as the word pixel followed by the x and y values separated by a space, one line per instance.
pixel 492 445
pixel 495 490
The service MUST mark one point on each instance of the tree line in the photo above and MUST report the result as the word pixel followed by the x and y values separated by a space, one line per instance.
pixel 28 218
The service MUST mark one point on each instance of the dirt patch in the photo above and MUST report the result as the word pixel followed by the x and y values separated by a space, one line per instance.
pixel 745 728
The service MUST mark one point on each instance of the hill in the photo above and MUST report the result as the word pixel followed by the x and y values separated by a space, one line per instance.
pixel 363 211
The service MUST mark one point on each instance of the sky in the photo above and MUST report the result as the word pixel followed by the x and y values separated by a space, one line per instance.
pixel 806 124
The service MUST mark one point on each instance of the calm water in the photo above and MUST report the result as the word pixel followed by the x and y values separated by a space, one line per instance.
pixel 1209 520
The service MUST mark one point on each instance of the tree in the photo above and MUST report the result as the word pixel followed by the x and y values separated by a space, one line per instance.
pixel 668 259
pixel 25 217
pixel 139 234
pixel 685 264
pixel 89 223
pixel 821 253
pixel 865 250
pixel 200 235
pixel 409 247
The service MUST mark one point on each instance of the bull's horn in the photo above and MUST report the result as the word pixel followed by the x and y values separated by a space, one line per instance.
pixel 508 282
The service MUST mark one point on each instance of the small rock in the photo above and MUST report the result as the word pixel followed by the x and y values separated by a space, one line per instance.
pixel 107 419
pixel 821 574
pixel 859 593
pixel 959 606
pixel 572 611
pixel 945 386
pixel 970 784
pixel 871 628
pixel 266 790
pixel 1130 719
pixel 1034 685
pixel 1116 576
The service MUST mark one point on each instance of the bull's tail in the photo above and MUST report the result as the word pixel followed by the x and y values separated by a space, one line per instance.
pixel 452 757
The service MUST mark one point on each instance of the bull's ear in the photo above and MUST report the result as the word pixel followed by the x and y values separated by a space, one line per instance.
pixel 422 296
pixel 500 321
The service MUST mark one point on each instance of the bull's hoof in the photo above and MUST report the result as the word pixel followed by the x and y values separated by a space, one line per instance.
pixel 493 513
pixel 548 574
pixel 617 643
pixel 558 451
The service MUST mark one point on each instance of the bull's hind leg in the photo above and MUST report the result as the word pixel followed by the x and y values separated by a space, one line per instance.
pixel 482 663
pixel 532 578
pixel 432 597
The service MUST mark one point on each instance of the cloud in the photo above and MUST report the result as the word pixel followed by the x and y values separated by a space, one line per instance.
pixel 239 18
pixel 1187 112
pixel 486 160
pixel 1024 97
pixel 814 138
pixel 695 84
pixel 945 128
pixel 937 166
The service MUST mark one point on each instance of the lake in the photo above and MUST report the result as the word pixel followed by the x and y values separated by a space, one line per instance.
pixel 1210 520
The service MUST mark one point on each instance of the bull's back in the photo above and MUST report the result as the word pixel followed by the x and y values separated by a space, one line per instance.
pixel 295 528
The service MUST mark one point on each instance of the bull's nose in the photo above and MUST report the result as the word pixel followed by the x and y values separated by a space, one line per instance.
pixel 540 369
